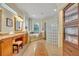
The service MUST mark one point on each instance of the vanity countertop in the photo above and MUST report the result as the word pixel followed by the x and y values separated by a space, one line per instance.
pixel 34 34
pixel 10 35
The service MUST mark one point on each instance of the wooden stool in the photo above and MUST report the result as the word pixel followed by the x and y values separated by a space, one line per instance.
pixel 17 45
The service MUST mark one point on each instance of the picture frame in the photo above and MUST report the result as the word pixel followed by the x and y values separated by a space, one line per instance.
pixel 9 22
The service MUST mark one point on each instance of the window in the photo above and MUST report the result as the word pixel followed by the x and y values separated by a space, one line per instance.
pixel 36 28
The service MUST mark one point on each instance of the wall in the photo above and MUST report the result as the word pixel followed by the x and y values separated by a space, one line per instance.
pixel 60 29
pixel 19 13
pixel 15 8
pixel 7 14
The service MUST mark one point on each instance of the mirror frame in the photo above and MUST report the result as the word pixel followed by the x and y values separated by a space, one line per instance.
pixel 15 25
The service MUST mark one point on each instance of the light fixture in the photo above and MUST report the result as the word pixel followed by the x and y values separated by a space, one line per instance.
pixel 19 18
pixel 55 9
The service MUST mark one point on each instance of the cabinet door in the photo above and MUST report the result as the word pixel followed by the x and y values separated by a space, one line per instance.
pixel 6 47
pixel 0 48
pixel 25 39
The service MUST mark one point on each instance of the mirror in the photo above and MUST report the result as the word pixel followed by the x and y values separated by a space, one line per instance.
pixel 18 24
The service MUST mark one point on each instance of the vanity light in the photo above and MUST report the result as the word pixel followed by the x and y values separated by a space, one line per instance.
pixel 19 18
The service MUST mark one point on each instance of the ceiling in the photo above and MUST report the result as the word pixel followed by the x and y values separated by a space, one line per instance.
pixel 39 10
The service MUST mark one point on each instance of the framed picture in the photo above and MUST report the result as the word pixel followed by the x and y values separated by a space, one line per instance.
pixel 9 22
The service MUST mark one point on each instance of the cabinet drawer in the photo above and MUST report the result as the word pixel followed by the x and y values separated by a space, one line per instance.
pixel 6 47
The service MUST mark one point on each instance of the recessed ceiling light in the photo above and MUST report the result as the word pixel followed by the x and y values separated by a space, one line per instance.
pixel 55 9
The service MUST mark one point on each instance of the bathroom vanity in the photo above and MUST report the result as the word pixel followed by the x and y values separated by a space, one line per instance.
pixel 6 42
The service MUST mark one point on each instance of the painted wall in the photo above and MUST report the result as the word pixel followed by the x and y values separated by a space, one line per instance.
pixel 7 14
pixel 15 8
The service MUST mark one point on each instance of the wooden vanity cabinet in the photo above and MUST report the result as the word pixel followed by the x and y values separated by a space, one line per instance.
pixel 6 47
pixel 6 44
pixel 25 38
